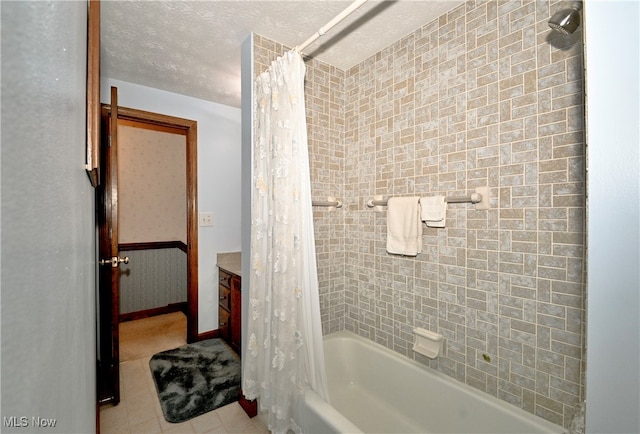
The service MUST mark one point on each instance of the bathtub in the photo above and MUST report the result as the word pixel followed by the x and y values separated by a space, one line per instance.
pixel 375 390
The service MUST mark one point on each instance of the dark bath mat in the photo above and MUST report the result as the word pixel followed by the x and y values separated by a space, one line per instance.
pixel 195 379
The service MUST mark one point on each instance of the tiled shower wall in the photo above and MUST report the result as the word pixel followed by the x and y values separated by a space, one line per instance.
pixel 485 95
pixel 324 99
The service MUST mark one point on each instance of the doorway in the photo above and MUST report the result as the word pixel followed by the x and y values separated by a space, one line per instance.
pixel 152 220
pixel 108 217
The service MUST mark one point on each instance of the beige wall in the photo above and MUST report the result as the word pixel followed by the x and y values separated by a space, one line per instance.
pixel 152 186
pixel 481 96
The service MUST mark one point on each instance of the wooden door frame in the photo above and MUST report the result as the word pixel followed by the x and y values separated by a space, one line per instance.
pixel 190 129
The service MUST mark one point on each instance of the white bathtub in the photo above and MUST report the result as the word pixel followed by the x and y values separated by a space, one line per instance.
pixel 375 390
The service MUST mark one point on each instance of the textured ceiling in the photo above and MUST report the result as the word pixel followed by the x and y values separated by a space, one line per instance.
pixel 193 47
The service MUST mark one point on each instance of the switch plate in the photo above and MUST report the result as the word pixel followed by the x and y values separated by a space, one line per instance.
pixel 206 218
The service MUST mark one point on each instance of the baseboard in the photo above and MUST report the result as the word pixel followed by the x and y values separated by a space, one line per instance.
pixel 170 308
pixel 249 407
pixel 207 335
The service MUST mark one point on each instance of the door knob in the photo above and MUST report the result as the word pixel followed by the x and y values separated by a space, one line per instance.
pixel 114 261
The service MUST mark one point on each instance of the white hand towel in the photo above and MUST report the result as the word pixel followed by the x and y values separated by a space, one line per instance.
pixel 434 211
pixel 404 227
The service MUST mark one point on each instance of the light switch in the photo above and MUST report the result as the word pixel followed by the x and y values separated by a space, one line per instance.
pixel 206 218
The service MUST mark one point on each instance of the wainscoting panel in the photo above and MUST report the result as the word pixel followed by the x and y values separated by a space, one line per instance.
pixel 153 278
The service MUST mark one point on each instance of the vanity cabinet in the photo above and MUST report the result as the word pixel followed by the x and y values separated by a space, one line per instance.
pixel 229 309
pixel 235 326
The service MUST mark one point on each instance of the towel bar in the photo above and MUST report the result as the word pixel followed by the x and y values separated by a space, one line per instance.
pixel 473 198
pixel 328 202
pixel 480 198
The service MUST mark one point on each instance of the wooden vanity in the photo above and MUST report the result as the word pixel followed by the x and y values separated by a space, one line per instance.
pixel 230 299
pixel 229 311
pixel 229 308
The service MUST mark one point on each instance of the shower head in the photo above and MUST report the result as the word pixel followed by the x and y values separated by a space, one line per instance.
pixel 566 21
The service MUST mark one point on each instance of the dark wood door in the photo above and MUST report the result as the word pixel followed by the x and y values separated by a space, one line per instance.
pixel 109 259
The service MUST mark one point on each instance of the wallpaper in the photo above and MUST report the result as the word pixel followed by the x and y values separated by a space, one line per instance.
pixel 153 278
pixel 152 204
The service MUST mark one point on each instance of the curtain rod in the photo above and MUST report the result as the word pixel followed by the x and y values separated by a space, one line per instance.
pixel 324 29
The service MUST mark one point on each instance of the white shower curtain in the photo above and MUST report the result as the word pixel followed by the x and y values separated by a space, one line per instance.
pixel 284 354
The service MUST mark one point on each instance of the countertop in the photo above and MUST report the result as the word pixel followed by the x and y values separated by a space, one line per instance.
pixel 231 261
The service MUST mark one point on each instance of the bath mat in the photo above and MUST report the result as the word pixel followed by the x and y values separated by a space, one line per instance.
pixel 195 379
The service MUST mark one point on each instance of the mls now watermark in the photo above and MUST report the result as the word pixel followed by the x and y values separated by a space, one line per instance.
pixel 24 422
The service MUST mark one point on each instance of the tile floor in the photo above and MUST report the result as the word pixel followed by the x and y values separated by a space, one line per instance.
pixel 139 409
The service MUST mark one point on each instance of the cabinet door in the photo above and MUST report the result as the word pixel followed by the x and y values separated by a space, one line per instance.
pixel 224 305
pixel 223 324
pixel 235 320
pixel 224 298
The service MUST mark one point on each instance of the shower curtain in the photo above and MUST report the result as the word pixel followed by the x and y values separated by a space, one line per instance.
pixel 284 354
